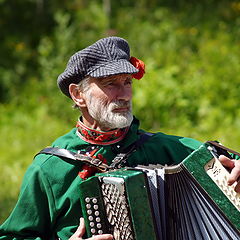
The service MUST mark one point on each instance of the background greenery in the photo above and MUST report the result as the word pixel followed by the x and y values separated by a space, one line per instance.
pixel 191 86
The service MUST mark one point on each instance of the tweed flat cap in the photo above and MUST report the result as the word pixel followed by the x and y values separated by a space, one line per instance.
pixel 107 56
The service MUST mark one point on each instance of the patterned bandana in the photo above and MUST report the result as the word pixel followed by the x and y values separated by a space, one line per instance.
pixel 98 137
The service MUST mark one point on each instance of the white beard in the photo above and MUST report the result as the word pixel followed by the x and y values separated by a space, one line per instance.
pixel 103 113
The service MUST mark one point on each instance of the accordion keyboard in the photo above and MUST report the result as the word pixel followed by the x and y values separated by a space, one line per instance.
pixel 220 176
pixel 117 210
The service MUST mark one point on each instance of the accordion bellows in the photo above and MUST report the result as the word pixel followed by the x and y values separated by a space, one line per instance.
pixel 188 201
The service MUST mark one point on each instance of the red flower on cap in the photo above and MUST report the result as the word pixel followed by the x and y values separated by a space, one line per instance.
pixel 137 63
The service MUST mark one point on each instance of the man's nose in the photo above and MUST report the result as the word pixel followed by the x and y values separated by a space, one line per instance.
pixel 124 93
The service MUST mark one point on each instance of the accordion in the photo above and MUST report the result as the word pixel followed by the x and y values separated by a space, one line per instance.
pixel 187 201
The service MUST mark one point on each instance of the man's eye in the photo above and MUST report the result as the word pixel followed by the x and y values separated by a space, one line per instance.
pixel 129 82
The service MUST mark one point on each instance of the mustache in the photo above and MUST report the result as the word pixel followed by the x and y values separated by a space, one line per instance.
pixel 120 104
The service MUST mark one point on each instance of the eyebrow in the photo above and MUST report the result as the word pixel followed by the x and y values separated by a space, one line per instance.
pixel 107 80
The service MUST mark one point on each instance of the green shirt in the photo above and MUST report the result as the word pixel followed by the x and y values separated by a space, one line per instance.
pixel 49 207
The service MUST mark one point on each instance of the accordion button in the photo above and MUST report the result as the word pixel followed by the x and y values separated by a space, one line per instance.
pixel 95 207
pixel 89 212
pixel 91 224
pixel 90 218
pixel 94 200
pixel 88 206
pixel 97 213
pixel 100 232
pixel 87 199
pixel 93 230
pixel 98 219
pixel 99 225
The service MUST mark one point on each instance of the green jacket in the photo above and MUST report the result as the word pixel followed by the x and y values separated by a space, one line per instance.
pixel 49 207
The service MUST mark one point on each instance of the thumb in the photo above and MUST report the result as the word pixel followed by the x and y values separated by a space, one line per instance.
pixel 81 229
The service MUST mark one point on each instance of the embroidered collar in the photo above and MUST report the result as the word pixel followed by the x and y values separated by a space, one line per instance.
pixel 98 137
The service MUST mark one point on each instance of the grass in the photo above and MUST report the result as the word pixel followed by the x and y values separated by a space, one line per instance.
pixel 23 134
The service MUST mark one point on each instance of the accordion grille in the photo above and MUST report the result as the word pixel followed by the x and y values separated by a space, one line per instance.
pixel 117 212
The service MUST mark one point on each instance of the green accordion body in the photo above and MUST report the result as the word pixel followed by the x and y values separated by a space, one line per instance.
pixel 187 201
pixel 118 199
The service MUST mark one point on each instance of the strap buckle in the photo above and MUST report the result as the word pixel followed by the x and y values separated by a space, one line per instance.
pixel 119 161
pixel 92 161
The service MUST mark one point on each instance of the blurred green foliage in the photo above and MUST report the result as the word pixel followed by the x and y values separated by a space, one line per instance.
pixel 191 50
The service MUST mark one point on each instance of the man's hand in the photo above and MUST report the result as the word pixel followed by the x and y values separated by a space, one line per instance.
pixel 81 230
pixel 234 165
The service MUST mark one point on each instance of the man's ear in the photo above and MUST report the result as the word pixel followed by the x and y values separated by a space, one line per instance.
pixel 77 95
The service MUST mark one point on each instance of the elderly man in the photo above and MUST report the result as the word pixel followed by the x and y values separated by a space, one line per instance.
pixel 99 81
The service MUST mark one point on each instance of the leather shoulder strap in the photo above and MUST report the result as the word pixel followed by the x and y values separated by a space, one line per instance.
pixel 64 153
pixel 118 161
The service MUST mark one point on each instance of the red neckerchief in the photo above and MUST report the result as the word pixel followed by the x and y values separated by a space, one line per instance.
pixel 99 137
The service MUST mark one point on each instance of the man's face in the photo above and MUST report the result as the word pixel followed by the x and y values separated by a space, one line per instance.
pixel 108 101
